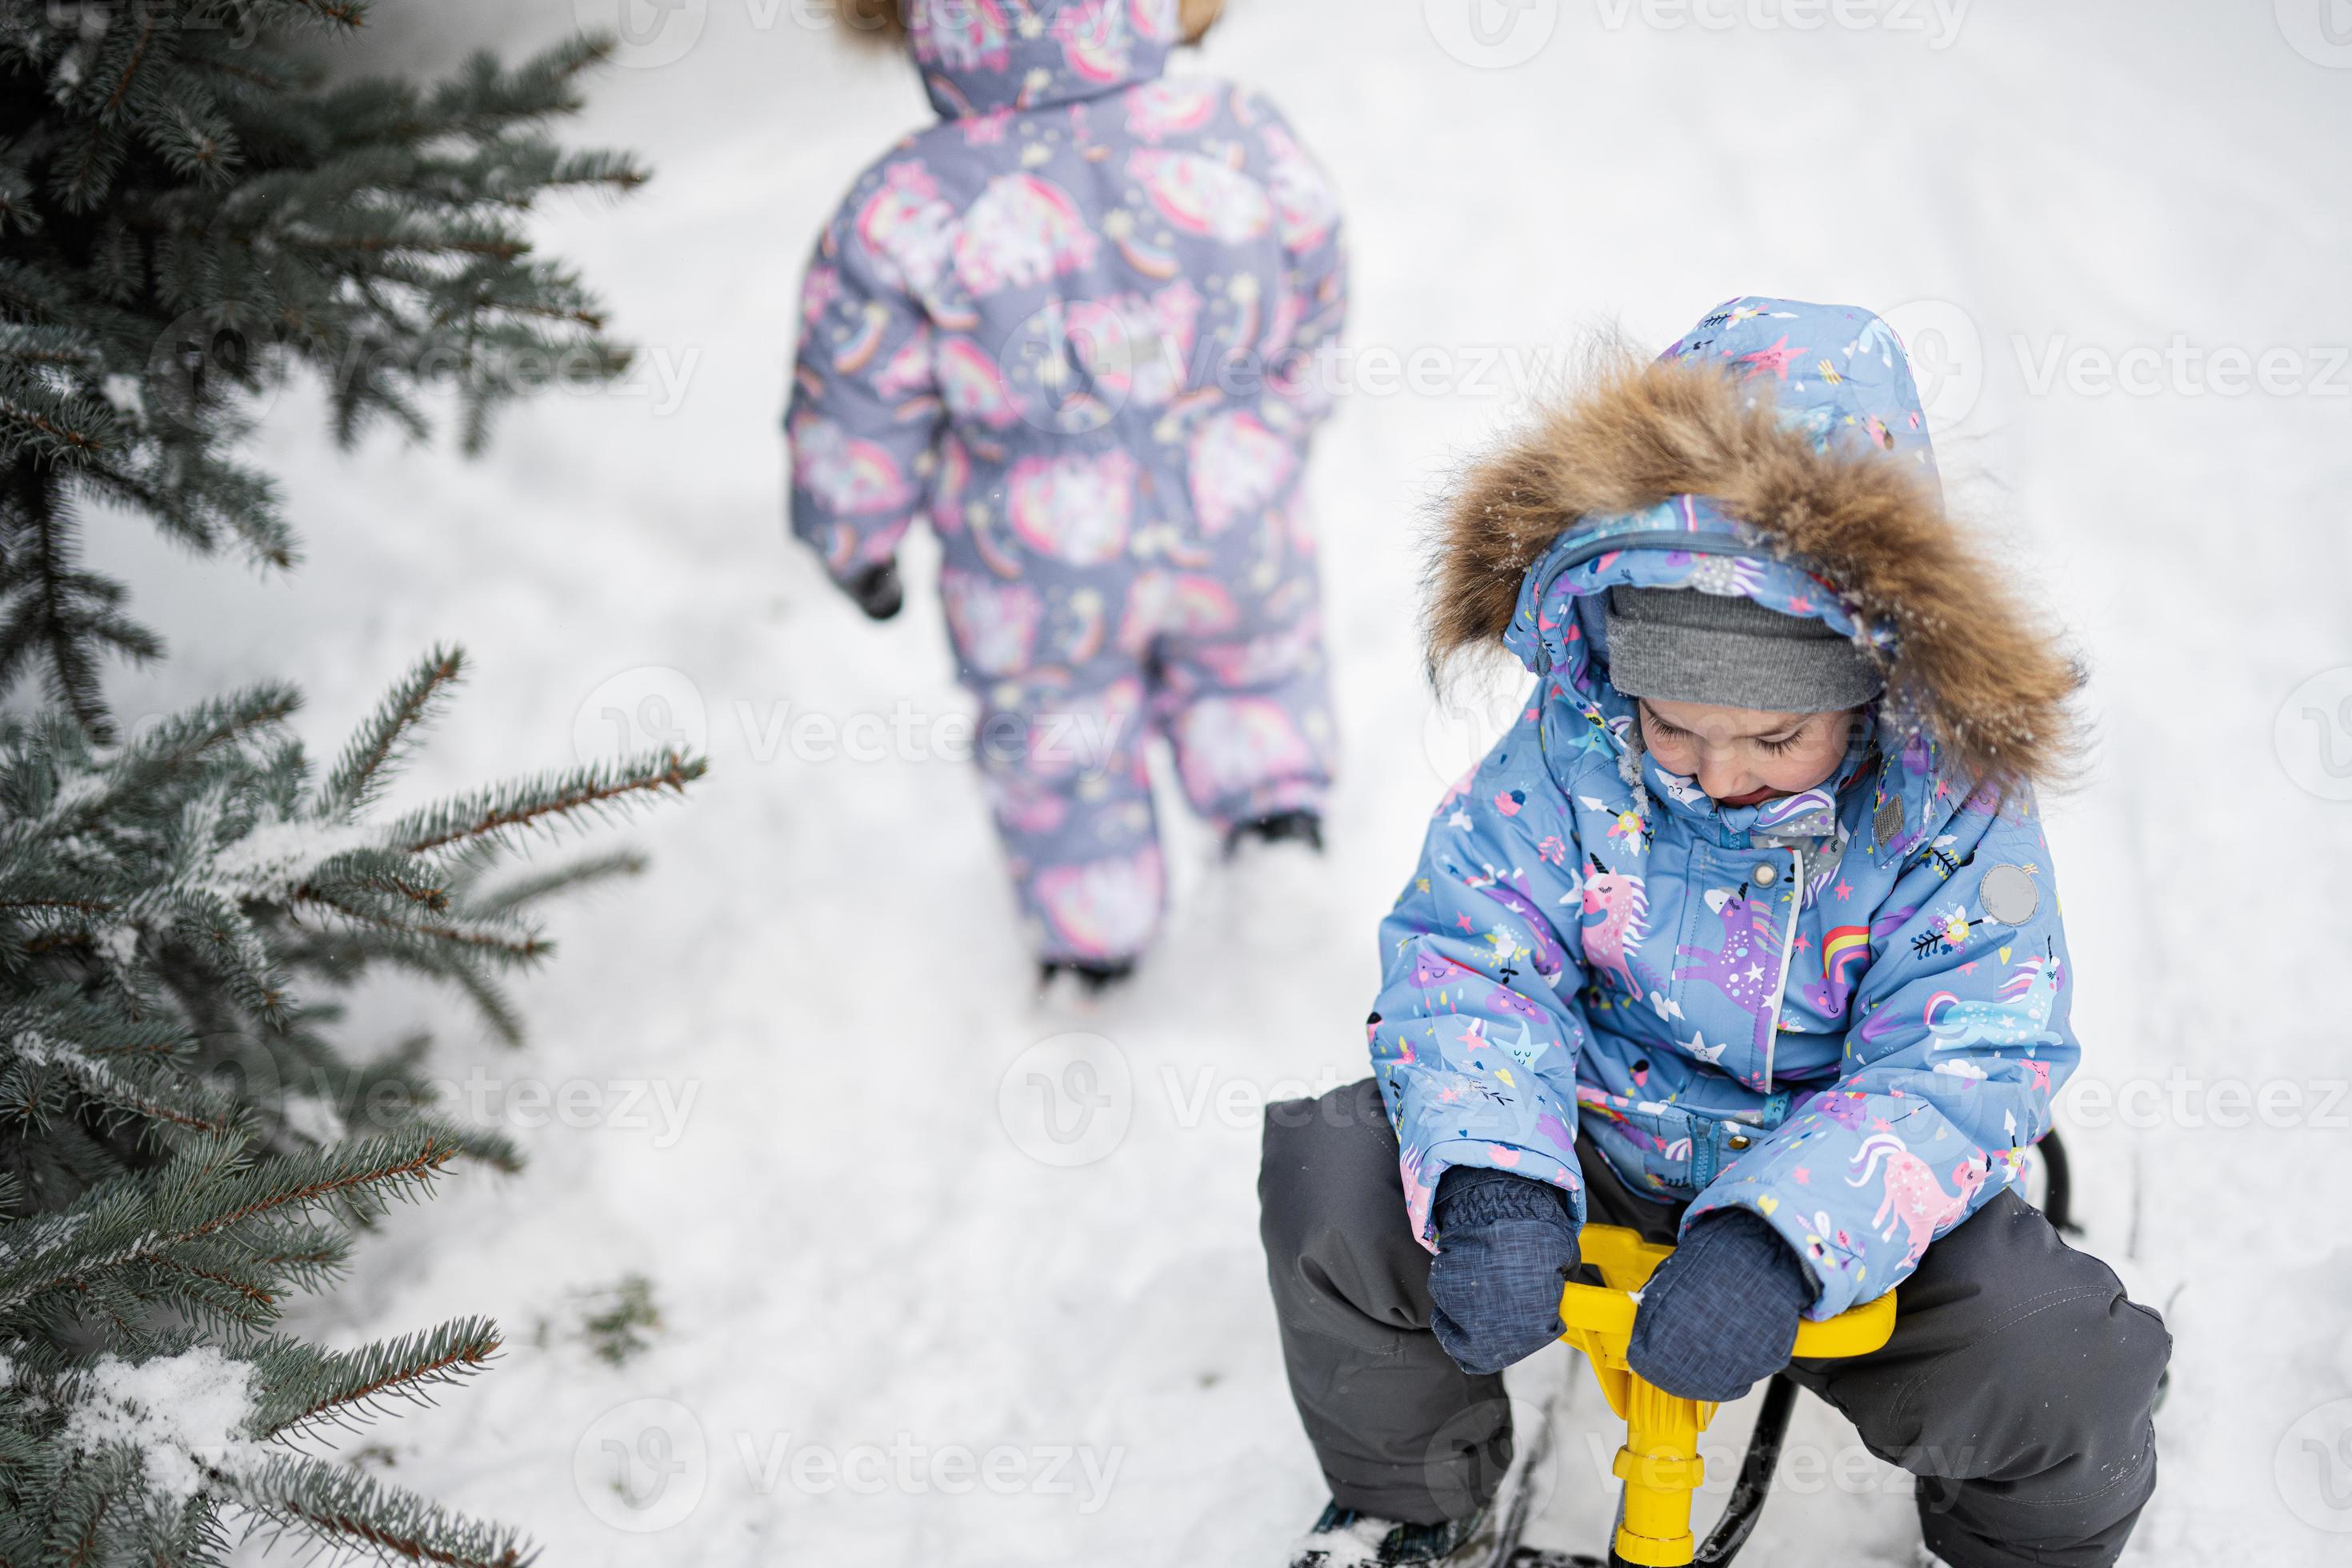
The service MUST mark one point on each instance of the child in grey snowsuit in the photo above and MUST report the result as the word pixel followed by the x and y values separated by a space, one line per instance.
pixel 1082 325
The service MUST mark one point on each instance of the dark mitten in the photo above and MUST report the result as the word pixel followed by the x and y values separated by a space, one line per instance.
pixel 878 591
pixel 1505 1245
pixel 1722 1312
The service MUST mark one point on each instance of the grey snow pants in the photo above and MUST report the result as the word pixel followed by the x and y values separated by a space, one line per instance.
pixel 2018 1387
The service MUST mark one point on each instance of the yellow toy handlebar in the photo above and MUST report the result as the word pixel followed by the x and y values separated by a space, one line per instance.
pixel 1660 1462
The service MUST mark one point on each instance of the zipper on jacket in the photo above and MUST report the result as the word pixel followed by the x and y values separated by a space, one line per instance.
pixel 1787 960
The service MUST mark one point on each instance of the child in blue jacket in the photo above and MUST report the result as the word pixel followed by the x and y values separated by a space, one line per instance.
pixel 1083 326
pixel 1746 934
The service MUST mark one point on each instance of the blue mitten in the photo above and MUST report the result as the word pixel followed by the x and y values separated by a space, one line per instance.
pixel 1722 1312
pixel 1505 1245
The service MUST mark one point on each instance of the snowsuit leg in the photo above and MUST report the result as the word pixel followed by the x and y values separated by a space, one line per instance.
pixel 1064 727
pixel 1402 1432
pixel 2017 1386
pixel 1244 693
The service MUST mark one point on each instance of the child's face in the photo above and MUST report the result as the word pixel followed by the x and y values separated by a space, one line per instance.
pixel 1743 755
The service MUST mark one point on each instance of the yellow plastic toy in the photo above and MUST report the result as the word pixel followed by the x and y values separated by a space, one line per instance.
pixel 1660 1462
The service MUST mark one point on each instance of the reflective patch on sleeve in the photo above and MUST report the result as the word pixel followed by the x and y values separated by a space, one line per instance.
pixel 2008 895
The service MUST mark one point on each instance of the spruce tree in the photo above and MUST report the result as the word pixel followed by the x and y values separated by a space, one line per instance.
pixel 189 209
pixel 194 206
pixel 182 1145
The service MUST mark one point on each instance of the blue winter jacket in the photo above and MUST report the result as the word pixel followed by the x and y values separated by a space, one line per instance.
pixel 1845 1010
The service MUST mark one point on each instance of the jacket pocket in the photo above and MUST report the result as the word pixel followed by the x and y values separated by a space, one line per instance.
pixel 1659 1135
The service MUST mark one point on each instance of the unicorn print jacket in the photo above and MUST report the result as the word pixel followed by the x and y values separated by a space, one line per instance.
pixel 1081 321
pixel 1844 1010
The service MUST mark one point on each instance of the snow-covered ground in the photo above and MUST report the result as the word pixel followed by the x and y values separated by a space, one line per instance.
pixel 854 1241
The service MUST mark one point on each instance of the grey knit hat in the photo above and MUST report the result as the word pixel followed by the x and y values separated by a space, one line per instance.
pixel 1686 645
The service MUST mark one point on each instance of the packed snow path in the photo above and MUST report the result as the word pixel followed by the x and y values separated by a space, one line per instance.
pixel 903 1339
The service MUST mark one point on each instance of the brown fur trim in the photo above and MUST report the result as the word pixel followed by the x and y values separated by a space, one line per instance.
pixel 1197 16
pixel 879 19
pixel 873 21
pixel 1992 684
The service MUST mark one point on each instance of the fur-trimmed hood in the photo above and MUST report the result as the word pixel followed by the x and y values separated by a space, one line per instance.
pixel 1784 445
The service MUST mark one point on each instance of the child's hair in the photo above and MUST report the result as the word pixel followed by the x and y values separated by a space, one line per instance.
pixel 880 18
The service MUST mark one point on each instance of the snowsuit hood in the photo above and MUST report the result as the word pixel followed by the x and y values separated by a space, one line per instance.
pixel 981 57
pixel 1773 423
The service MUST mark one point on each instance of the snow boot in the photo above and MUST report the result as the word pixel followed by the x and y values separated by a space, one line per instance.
pixel 1092 978
pixel 1343 1538
pixel 1282 827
